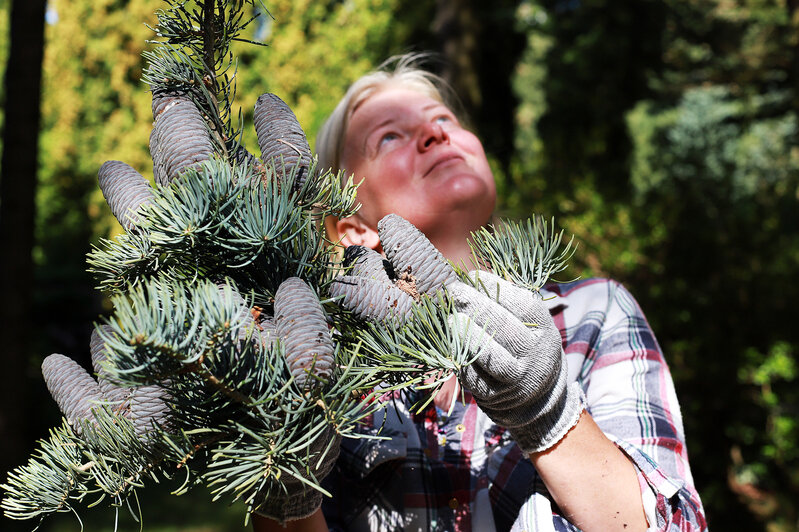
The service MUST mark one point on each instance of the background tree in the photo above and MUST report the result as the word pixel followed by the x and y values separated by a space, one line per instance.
pixel 95 108
pixel 22 83
pixel 672 154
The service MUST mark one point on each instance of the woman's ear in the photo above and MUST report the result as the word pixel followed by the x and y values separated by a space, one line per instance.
pixel 353 231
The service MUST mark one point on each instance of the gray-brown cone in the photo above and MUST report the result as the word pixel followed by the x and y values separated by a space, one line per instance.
pixel 115 395
pixel 372 300
pixel 179 138
pixel 411 253
pixel 161 100
pixel 125 190
pixel 149 409
pixel 366 262
pixel 74 390
pixel 301 326
pixel 281 137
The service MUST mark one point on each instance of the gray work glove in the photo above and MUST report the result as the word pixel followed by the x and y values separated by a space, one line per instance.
pixel 300 500
pixel 519 378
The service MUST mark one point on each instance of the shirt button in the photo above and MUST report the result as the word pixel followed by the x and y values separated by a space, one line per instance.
pixel 453 503
pixel 460 427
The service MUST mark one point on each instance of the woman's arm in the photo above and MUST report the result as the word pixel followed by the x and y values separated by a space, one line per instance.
pixel 313 523
pixel 592 481
pixel 630 396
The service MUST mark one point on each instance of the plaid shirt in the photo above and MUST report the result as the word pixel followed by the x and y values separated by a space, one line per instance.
pixel 463 472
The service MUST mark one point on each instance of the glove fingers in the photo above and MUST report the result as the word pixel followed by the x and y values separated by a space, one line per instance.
pixel 486 388
pixel 523 303
pixel 505 328
pixel 494 359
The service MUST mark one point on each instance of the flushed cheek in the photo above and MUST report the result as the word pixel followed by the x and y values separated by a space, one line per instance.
pixel 378 197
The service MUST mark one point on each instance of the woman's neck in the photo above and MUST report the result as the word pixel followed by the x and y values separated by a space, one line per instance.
pixel 457 251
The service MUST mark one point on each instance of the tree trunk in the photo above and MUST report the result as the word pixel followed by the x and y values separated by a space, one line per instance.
pixel 482 45
pixel 793 74
pixel 18 170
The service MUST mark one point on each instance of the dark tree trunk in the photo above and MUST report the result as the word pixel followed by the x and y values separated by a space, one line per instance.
pixel 17 189
pixel 793 74
pixel 482 45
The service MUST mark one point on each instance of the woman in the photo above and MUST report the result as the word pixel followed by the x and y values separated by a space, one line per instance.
pixel 617 461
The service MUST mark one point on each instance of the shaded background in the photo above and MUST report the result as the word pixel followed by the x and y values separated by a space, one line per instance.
pixel 663 134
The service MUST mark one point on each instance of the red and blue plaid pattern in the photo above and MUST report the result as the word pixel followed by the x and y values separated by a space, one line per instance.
pixel 462 472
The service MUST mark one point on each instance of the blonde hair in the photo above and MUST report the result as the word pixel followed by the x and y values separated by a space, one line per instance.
pixel 403 71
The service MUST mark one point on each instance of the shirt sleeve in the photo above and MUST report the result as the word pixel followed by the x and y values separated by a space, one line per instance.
pixel 630 394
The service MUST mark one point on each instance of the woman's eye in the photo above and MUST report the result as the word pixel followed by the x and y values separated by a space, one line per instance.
pixel 386 138
pixel 442 119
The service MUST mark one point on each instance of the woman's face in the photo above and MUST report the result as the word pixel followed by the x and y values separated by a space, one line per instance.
pixel 417 161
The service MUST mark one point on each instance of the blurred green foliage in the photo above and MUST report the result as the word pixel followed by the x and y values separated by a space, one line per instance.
pixel 158 511
pixel 315 49
pixel 664 134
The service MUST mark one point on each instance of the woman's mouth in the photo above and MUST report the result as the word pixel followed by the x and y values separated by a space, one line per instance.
pixel 443 161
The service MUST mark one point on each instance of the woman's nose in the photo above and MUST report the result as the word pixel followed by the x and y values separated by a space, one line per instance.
pixel 430 135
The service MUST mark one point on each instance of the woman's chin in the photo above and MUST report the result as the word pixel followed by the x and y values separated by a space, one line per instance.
pixel 468 191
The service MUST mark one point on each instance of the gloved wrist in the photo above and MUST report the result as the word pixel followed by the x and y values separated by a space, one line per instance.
pixel 299 500
pixel 286 507
pixel 520 378
pixel 555 420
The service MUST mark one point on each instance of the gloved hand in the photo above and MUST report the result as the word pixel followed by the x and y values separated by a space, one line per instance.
pixel 299 500
pixel 520 376
pixel 78 394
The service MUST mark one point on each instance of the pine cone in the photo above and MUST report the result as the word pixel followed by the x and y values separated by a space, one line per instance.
pixel 302 328
pixel 413 256
pixel 74 390
pixel 125 190
pixel 365 262
pixel 368 290
pixel 162 99
pixel 115 395
pixel 281 137
pixel 179 138
pixel 370 299
pixel 77 393
pixel 149 409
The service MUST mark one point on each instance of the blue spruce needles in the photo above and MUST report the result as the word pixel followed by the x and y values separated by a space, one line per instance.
pixel 227 360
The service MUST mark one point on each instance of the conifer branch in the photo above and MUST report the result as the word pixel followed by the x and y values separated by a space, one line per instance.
pixel 527 253
pixel 209 38
pixel 219 234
